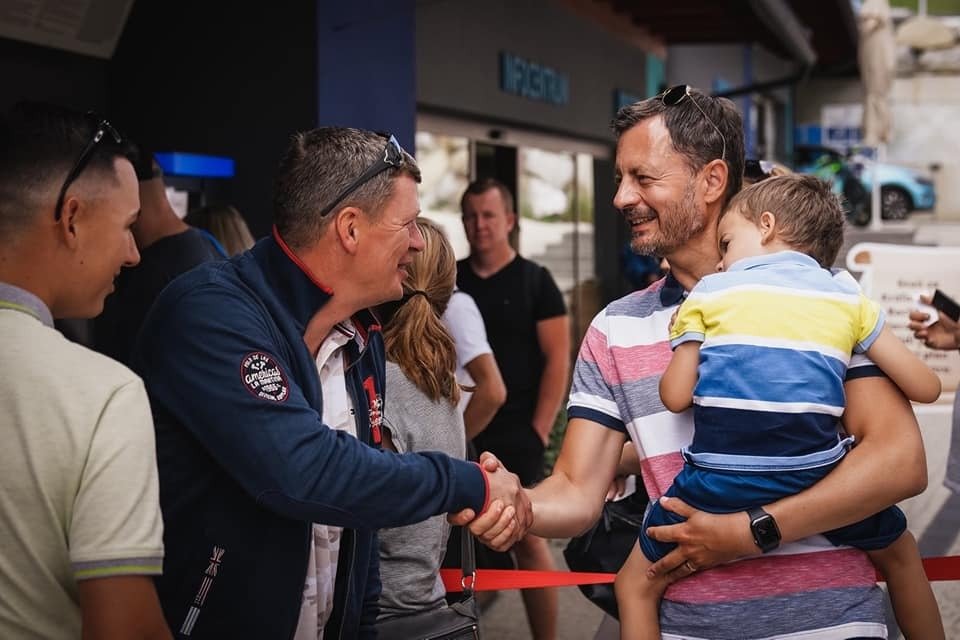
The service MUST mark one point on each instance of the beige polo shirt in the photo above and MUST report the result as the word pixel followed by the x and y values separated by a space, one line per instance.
pixel 79 495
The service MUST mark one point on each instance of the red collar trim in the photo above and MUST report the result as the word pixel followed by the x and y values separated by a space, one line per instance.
pixel 365 330
pixel 293 257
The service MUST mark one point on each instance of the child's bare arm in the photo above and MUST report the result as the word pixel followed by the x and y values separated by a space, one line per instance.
pixel 680 378
pixel 917 381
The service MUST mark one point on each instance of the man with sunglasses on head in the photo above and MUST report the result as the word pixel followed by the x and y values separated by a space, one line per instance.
pixel 80 526
pixel 679 159
pixel 266 374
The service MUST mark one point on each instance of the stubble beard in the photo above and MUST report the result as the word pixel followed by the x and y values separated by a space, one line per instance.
pixel 676 225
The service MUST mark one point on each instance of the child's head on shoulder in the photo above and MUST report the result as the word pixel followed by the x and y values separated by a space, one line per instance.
pixel 784 213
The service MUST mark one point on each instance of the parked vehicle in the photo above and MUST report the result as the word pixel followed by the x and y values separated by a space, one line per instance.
pixel 827 164
pixel 902 190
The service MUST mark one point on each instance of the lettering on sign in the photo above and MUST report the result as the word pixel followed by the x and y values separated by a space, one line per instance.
pixel 532 80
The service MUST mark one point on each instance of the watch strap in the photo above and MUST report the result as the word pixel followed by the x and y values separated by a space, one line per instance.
pixel 756 513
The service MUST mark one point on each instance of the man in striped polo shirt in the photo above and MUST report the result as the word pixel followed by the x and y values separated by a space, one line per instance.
pixel 679 160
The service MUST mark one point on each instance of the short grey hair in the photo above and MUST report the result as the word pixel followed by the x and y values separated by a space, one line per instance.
pixel 317 166
pixel 691 134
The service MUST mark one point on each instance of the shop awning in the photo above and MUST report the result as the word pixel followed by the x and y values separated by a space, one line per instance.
pixel 821 34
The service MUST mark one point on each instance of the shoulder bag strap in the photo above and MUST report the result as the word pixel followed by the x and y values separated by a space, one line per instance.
pixel 468 562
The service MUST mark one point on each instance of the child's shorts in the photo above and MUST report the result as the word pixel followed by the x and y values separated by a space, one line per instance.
pixel 728 492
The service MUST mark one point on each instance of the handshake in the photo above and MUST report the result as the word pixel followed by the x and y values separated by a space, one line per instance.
pixel 509 512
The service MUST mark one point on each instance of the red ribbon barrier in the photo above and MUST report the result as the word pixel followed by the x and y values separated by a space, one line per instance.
pixel 945 568
pixel 499 579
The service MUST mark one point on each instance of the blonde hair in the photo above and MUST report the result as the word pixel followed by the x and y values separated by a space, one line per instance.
pixel 415 338
pixel 226 224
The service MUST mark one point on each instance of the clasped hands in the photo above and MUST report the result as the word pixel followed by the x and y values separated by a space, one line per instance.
pixel 704 539
pixel 509 512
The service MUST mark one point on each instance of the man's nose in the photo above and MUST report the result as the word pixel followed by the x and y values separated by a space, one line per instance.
pixel 624 197
pixel 417 243
pixel 133 255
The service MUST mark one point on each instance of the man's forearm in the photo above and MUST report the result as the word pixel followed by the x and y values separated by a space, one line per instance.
pixel 887 466
pixel 570 500
pixel 561 508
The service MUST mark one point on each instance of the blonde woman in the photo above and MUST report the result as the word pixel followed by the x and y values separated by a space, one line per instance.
pixel 420 414
pixel 224 223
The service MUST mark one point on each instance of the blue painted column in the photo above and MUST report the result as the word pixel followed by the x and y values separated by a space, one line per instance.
pixel 366 66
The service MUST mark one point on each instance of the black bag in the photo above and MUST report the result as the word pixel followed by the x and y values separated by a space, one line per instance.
pixel 457 621
pixel 605 546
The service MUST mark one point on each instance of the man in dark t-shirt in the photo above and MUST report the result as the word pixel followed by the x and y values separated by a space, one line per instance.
pixel 529 332
pixel 168 247
pixel 513 301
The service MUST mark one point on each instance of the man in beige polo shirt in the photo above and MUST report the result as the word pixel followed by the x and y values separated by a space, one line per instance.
pixel 80 526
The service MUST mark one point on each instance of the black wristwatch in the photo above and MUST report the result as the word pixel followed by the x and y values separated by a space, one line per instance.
pixel 766 534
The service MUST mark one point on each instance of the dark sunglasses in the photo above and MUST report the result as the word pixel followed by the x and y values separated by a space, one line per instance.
pixel 675 95
pixel 392 158
pixel 103 128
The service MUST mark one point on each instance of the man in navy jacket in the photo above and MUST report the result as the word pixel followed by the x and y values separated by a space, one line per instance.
pixel 266 374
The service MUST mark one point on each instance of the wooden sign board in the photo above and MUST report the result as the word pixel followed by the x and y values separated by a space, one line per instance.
pixel 893 275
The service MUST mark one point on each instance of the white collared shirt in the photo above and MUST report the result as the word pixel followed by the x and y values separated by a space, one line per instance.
pixel 338 413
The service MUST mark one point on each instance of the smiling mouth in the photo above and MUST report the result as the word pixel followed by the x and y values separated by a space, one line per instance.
pixel 636 221
pixel 636 216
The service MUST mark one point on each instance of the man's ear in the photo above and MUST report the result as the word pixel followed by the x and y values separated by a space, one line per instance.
pixel 346 226
pixel 70 222
pixel 716 177
pixel 767 223
pixel 511 220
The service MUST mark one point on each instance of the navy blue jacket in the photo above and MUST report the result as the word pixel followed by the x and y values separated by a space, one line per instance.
pixel 246 464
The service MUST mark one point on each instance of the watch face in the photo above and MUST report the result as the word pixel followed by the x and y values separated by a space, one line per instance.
pixel 765 532
pixel 766 529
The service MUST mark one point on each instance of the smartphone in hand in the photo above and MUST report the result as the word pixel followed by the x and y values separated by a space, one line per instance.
pixel 946 305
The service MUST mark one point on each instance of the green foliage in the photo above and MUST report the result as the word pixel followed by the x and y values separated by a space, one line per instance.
pixel 934 7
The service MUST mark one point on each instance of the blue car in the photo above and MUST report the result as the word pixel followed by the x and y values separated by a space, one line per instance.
pixel 902 189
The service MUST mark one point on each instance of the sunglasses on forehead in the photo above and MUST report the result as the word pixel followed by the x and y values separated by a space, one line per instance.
pixel 675 95
pixel 391 157
pixel 103 129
